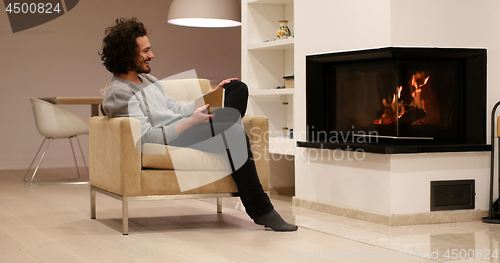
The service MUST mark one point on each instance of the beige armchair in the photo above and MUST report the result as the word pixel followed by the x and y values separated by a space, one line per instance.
pixel 120 170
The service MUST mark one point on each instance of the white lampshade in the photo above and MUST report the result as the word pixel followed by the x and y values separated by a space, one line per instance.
pixel 205 13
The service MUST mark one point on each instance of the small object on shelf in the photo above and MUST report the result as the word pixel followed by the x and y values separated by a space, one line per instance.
pixel 291 133
pixel 289 81
pixel 280 87
pixel 283 30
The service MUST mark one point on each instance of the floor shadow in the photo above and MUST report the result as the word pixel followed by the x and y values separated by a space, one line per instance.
pixel 179 223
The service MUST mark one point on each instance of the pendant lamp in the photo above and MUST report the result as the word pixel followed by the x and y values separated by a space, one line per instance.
pixel 205 13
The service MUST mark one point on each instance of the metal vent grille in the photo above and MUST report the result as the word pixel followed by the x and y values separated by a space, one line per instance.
pixel 452 195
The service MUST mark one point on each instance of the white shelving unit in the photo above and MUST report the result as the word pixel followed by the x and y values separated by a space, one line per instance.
pixel 282 145
pixel 284 44
pixel 271 92
pixel 265 61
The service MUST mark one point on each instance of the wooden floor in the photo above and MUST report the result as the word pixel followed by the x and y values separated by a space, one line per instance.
pixel 51 223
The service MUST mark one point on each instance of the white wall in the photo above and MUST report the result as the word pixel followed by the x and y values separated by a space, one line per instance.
pixel 60 58
pixel 324 26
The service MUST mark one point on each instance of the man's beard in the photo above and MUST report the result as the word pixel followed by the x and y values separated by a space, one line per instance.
pixel 142 70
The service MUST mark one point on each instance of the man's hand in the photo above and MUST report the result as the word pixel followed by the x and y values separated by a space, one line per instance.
pixel 197 118
pixel 224 83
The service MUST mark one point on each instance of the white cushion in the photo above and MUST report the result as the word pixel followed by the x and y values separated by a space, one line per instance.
pixel 158 156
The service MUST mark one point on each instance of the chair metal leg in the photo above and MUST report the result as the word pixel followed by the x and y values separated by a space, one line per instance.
pixel 125 215
pixel 74 157
pixel 34 158
pixel 83 157
pixel 219 205
pixel 92 204
pixel 38 165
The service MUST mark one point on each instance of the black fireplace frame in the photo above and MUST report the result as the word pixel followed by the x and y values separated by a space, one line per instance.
pixel 473 67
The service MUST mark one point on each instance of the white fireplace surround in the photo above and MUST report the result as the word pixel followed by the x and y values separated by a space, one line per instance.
pixel 386 184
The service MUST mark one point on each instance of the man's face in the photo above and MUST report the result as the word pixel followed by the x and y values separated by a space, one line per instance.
pixel 145 55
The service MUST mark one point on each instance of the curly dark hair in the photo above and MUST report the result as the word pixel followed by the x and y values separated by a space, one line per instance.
pixel 119 46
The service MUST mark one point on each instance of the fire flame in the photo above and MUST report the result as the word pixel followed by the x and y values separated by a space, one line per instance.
pixel 397 109
pixel 417 88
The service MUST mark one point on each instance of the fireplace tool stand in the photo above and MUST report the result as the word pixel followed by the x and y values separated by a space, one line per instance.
pixel 494 208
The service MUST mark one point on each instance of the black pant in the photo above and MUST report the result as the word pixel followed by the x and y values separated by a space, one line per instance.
pixel 252 195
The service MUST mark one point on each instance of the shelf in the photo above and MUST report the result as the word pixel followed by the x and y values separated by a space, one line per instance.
pixel 271 92
pixel 283 44
pixel 270 2
pixel 281 145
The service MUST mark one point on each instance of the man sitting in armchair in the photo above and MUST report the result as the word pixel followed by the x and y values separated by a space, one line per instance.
pixel 126 53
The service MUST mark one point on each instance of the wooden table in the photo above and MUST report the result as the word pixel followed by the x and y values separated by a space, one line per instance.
pixel 93 101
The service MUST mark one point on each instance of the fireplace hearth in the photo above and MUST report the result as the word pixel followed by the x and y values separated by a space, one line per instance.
pixel 397 100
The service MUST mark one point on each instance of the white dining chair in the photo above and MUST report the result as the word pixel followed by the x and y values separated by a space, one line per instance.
pixel 54 122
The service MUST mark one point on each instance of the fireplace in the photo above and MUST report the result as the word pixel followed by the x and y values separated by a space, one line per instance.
pixel 397 100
